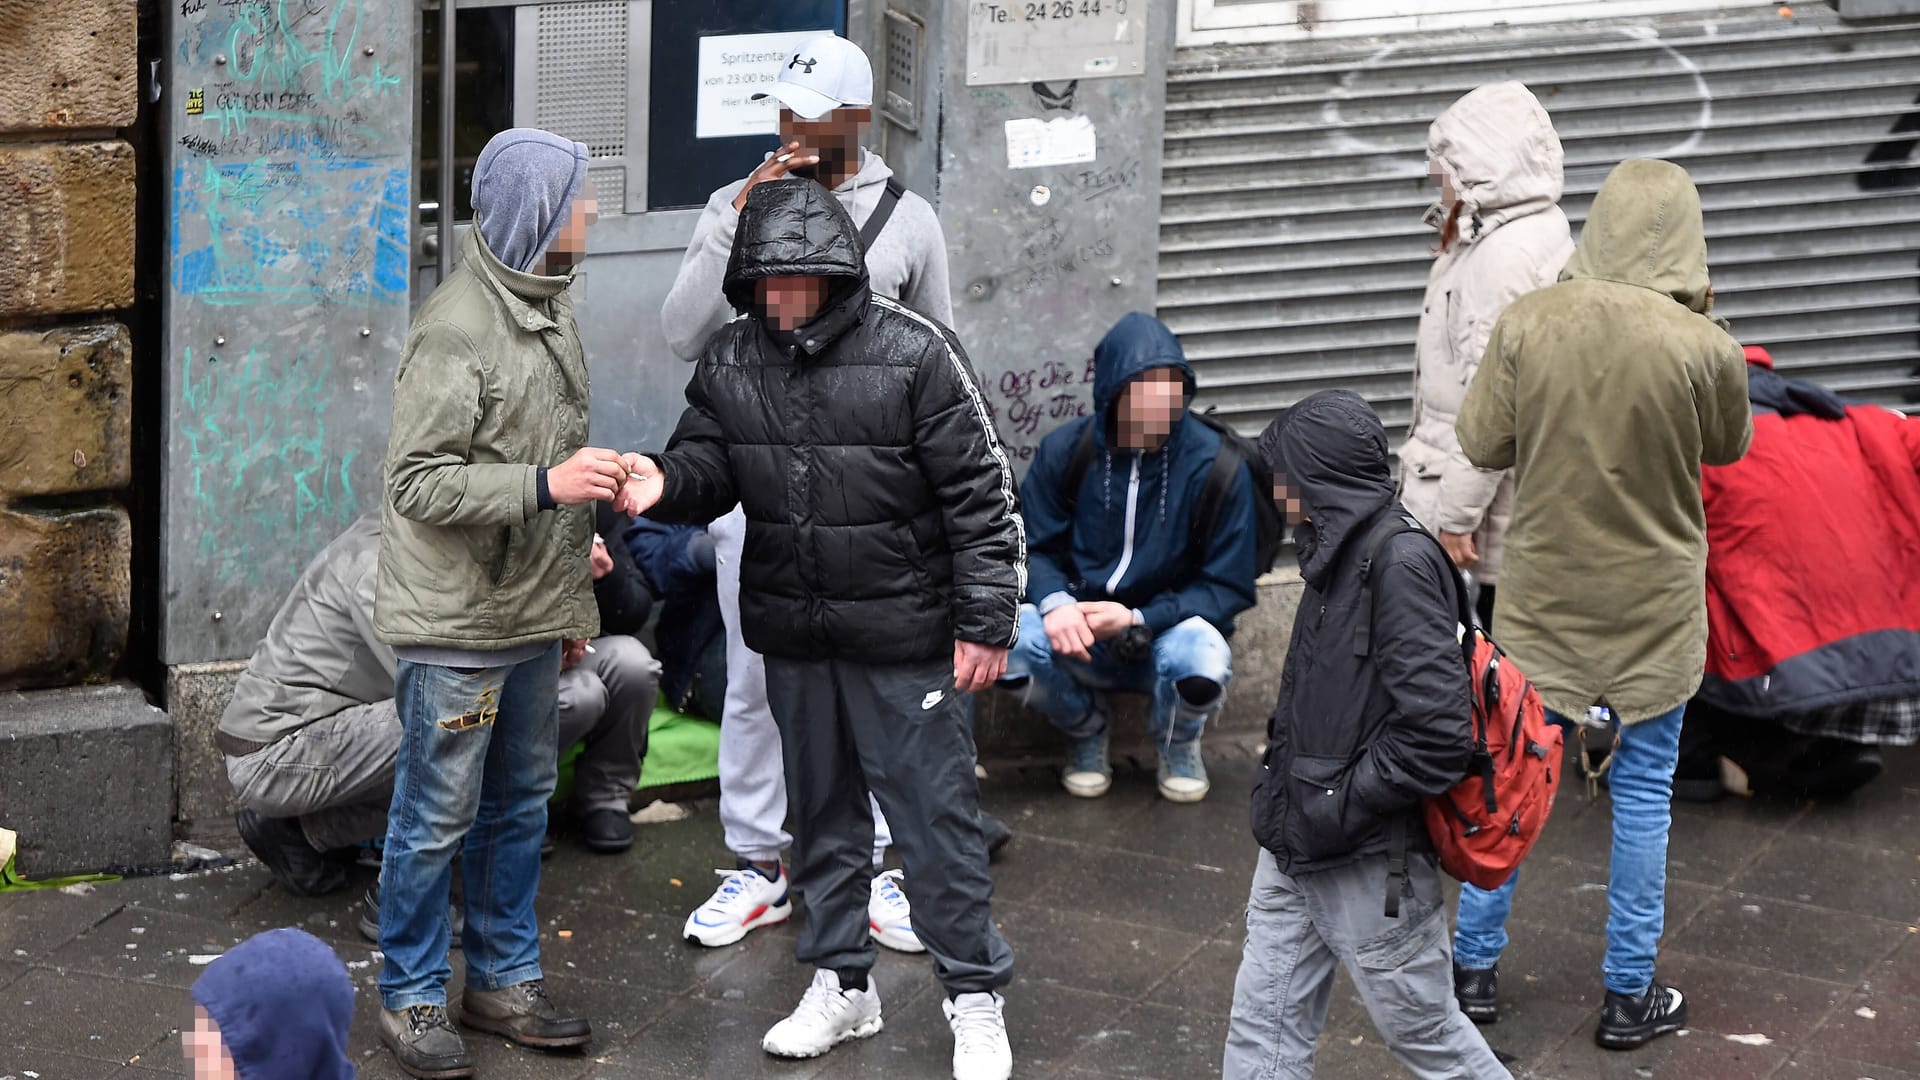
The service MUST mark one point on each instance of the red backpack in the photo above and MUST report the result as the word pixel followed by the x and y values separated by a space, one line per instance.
pixel 1484 825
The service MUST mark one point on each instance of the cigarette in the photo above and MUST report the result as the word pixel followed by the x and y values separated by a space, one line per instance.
pixel 589 648
pixel 784 158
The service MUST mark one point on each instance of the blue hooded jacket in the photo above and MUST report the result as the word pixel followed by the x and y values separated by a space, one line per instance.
pixel 284 1003
pixel 1092 556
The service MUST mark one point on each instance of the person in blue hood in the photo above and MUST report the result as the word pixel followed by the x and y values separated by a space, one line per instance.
pixel 1122 595
pixel 277 1007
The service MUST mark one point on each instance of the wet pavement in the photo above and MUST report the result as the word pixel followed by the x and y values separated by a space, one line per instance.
pixel 1795 931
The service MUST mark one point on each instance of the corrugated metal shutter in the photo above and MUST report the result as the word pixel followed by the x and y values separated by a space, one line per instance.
pixel 1293 257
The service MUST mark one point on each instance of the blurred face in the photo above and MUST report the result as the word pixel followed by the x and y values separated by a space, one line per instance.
pixel 1287 497
pixel 835 136
pixel 570 243
pixel 790 302
pixel 206 1054
pixel 1148 407
pixel 1439 178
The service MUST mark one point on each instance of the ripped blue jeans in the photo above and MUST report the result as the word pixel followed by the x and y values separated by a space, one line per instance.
pixel 479 755
pixel 1063 690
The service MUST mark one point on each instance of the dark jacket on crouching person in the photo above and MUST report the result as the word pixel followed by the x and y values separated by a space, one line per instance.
pixel 1357 741
pixel 882 522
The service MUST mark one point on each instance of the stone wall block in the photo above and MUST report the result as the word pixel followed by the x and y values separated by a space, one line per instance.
pixel 86 779
pixel 64 595
pixel 68 65
pixel 196 696
pixel 66 227
pixel 66 413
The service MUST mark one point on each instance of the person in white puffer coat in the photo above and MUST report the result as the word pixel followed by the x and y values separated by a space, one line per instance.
pixel 1497 161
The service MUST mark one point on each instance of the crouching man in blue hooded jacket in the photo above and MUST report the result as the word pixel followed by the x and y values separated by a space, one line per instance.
pixel 1129 591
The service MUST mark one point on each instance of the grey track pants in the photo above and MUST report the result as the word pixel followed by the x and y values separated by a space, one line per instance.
pixel 336 774
pixel 1298 928
pixel 901 732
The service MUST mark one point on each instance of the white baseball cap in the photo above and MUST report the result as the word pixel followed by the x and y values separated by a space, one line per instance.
pixel 825 73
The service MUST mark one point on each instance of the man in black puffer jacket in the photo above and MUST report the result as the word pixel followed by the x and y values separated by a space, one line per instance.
pixel 883 571
pixel 1359 738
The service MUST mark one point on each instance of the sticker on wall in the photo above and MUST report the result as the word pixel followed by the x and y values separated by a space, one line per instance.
pixel 196 102
pixel 732 69
pixel 1033 143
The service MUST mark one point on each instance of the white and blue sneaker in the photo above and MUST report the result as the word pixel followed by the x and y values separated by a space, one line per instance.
pixel 890 917
pixel 746 900
pixel 1183 776
pixel 1088 774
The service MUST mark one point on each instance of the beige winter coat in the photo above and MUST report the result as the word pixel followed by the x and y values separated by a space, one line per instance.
pixel 1498 146
pixel 1605 393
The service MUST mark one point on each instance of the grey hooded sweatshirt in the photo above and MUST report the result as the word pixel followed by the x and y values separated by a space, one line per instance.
pixel 524 184
pixel 908 262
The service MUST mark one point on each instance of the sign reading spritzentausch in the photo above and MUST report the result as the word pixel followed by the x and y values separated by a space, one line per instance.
pixel 1029 41
pixel 732 69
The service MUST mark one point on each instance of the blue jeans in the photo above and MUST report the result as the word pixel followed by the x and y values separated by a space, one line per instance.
pixel 1641 781
pixel 1064 690
pixel 479 754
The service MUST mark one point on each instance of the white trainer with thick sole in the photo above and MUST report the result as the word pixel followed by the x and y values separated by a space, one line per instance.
pixel 890 916
pixel 826 1017
pixel 746 900
pixel 980 1048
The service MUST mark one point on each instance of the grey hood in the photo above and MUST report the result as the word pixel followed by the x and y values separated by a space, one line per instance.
pixel 524 184
pixel 1498 146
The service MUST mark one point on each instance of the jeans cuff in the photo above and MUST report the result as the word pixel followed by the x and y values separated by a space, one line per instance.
pixel 398 1002
pixel 479 980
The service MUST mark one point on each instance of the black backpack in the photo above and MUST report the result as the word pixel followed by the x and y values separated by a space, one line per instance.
pixel 1270 528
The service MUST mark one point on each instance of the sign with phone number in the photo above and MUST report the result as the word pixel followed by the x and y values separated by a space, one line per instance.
pixel 1029 41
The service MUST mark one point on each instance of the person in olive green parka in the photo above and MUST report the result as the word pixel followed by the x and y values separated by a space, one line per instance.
pixel 1605 393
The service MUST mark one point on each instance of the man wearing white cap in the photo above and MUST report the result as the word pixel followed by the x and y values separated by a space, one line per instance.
pixel 825 92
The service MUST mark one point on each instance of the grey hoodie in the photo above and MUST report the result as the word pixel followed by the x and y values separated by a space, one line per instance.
pixel 524 183
pixel 908 262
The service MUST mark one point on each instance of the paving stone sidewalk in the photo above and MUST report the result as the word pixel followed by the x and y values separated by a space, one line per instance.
pixel 1795 930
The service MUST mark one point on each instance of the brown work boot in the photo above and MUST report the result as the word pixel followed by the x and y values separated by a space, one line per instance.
pixel 425 1044
pixel 524 1014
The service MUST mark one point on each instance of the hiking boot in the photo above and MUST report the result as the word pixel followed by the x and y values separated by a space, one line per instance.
pixel 1628 1023
pixel 890 917
pixel 1183 776
pixel 606 831
pixel 370 916
pixel 524 1015
pixel 980 1049
pixel 298 866
pixel 826 1017
pixel 1088 774
pixel 746 900
pixel 1478 993
pixel 424 1043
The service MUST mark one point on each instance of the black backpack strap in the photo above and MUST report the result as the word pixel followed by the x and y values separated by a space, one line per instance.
pixel 1084 451
pixel 883 210
pixel 1214 494
pixel 1377 539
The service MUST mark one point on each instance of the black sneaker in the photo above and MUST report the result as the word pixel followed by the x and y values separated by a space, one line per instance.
pixel 370 916
pixel 996 832
pixel 298 866
pixel 1628 1023
pixel 425 1044
pixel 608 831
pixel 1478 993
pixel 524 1015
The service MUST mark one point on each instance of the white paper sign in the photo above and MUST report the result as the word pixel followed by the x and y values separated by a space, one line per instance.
pixel 1033 143
pixel 733 69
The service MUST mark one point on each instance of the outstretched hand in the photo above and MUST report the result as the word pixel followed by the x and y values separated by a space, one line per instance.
pixel 644 485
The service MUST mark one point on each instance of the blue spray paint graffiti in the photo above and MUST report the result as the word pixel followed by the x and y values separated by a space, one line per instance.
pixel 253 437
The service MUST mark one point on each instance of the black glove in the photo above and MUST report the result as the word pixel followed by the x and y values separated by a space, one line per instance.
pixel 1134 646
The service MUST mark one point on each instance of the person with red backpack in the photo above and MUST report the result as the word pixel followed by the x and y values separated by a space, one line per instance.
pixel 1375 717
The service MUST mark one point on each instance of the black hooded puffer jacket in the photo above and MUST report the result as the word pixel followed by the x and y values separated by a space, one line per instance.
pixel 1357 741
pixel 882 523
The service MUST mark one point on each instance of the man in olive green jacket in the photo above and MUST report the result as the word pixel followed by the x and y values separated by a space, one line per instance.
pixel 484 573
pixel 1605 393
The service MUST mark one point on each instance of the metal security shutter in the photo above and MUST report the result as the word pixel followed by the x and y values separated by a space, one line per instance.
pixel 1293 257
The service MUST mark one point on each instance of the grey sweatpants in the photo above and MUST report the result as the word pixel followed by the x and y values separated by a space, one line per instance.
pixel 901 732
pixel 336 774
pixel 1298 928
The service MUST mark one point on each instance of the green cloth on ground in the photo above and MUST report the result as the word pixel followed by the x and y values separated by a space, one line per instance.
pixel 11 881
pixel 681 749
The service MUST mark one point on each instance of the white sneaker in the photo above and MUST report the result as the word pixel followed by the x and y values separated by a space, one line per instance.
pixel 826 1017
pixel 746 900
pixel 890 917
pixel 980 1050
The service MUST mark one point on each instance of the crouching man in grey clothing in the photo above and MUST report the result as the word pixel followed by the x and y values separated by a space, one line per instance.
pixel 883 570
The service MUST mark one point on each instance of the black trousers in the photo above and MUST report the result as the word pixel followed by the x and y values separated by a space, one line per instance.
pixel 900 731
